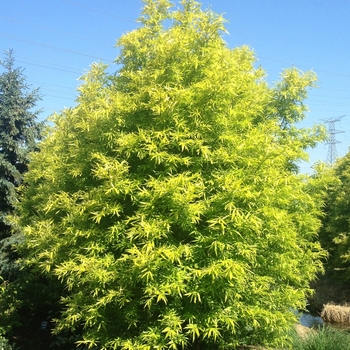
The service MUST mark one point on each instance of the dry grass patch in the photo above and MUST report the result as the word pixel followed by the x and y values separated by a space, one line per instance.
pixel 302 331
pixel 336 313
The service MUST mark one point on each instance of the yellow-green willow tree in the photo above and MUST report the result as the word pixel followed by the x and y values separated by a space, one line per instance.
pixel 168 200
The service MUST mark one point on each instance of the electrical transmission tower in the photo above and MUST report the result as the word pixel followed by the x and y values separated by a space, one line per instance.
pixel 332 150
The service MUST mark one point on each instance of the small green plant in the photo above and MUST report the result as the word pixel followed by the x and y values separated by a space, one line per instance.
pixel 4 344
pixel 326 338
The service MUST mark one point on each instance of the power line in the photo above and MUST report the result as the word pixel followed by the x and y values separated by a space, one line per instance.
pixel 267 58
pixel 338 97
pixel 99 11
pixel 65 98
pixel 67 69
pixel 60 92
pixel 322 88
pixel 99 42
pixel 60 86
pixel 124 19
pixel 294 65
pixel 52 47
pixel 43 66
pixel 53 30
pixel 330 111
pixel 334 103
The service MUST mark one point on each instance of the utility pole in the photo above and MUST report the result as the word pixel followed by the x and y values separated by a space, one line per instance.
pixel 332 150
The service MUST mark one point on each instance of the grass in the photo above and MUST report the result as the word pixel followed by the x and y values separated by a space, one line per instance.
pixel 326 338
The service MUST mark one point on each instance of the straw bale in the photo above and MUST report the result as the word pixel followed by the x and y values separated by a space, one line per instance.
pixel 336 313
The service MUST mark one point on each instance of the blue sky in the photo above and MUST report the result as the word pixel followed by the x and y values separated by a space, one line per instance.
pixel 56 41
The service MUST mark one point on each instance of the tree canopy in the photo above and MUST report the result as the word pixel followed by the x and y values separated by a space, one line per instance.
pixel 19 132
pixel 168 200
pixel 335 231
